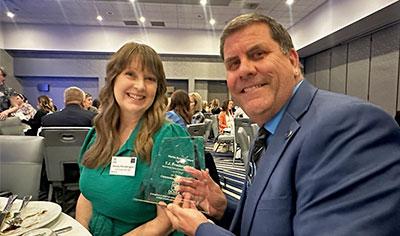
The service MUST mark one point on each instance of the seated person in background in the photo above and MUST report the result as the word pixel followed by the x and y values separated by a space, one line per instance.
pixel 45 106
pixel 215 109
pixel 196 107
pixel 225 120
pixel 73 114
pixel 205 108
pixel 20 108
pixel 88 103
pixel 96 103
pixel 179 108
pixel 5 93
pixel 131 125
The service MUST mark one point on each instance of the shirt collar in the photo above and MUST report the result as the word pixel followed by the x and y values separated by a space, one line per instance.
pixel 272 125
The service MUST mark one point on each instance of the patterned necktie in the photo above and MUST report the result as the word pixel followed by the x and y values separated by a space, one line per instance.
pixel 259 145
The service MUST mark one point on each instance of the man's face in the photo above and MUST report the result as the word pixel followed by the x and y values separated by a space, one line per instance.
pixel 260 76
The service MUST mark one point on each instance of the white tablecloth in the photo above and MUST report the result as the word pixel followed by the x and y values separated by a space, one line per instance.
pixel 65 220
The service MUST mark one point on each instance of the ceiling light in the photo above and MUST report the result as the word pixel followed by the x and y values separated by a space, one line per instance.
pixel 203 2
pixel 142 19
pixel 99 18
pixel 10 14
pixel 212 21
pixel 132 1
pixel 289 2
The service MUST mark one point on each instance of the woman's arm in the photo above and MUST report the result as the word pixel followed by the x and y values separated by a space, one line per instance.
pixel 83 211
pixel 159 226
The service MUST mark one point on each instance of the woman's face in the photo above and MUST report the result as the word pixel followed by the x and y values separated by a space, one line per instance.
pixel 16 101
pixel 135 89
pixel 88 102
pixel 230 105
pixel 192 103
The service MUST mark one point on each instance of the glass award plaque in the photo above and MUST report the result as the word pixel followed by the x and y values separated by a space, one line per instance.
pixel 174 153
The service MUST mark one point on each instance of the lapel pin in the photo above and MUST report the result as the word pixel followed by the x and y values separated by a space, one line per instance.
pixel 289 134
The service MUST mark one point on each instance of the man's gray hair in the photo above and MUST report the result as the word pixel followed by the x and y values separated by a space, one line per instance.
pixel 278 33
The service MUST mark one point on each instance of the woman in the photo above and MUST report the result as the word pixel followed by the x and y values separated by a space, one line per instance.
pixel 44 107
pixel 196 107
pixel 130 125
pixel 178 109
pixel 215 109
pixel 225 120
pixel 87 103
pixel 20 108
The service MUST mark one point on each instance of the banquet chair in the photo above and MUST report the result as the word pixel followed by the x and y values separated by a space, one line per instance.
pixel 197 129
pixel 61 147
pixel 244 142
pixel 220 139
pixel 245 123
pixel 21 160
pixel 208 123
pixel 12 126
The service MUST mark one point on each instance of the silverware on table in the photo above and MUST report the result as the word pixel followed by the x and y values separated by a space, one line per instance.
pixel 62 230
pixel 6 210
pixel 16 219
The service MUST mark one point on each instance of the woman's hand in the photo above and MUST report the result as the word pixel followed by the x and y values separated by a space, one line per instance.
pixel 159 226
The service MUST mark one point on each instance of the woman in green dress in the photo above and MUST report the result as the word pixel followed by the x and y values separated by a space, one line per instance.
pixel 117 153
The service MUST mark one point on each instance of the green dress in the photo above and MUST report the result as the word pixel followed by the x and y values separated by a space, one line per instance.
pixel 114 210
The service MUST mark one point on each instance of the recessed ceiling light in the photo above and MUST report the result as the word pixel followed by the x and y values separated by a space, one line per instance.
pixel 99 18
pixel 10 14
pixel 142 19
pixel 289 2
pixel 203 2
pixel 212 21
pixel 132 1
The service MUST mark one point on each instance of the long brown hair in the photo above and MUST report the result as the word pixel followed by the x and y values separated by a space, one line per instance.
pixel 180 103
pixel 108 120
pixel 45 103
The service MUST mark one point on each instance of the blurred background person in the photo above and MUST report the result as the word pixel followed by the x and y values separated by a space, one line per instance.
pixel 73 114
pixel 132 125
pixel 5 93
pixel 45 106
pixel 88 103
pixel 196 105
pixel 225 119
pixel 215 108
pixel 19 108
pixel 179 108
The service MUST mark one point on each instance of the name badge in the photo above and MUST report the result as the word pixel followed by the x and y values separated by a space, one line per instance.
pixel 123 166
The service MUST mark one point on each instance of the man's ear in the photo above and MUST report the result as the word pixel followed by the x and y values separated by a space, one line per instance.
pixel 294 60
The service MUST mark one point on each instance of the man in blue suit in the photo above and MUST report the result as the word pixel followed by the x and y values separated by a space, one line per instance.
pixel 330 164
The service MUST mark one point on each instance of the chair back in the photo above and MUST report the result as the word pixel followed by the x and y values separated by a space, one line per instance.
pixel 208 123
pixel 21 160
pixel 62 146
pixel 214 126
pixel 245 123
pixel 12 126
pixel 197 129
pixel 244 142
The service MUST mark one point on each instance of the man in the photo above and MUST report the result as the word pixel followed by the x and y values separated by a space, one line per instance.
pixel 5 93
pixel 330 164
pixel 73 114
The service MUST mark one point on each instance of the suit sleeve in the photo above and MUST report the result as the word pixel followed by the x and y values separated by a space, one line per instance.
pixel 347 175
pixel 207 229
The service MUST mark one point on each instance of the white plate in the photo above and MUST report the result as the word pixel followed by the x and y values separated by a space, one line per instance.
pixel 50 211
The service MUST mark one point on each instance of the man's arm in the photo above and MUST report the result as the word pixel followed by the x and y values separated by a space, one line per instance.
pixel 347 174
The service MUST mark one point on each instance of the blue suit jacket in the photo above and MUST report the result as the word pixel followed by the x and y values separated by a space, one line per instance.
pixel 331 168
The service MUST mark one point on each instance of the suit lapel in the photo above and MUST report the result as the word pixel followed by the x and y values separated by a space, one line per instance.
pixel 285 132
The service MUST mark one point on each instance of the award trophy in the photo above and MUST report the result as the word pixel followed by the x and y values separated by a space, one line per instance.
pixel 174 153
